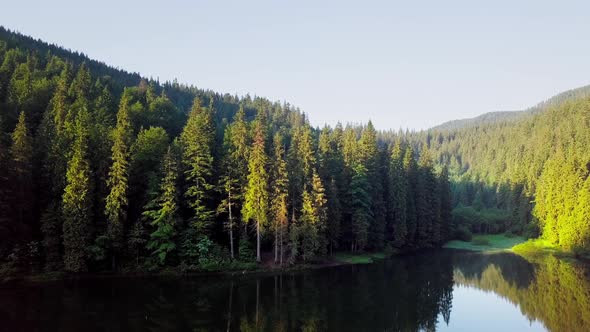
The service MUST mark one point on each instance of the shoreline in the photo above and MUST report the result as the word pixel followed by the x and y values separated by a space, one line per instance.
pixel 338 259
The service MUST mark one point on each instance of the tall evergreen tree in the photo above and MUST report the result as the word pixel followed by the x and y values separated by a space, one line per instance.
pixel 361 207
pixel 334 210
pixel 6 227
pixel 117 201
pixel 411 172
pixel 162 212
pixel 445 205
pixel 22 154
pixel 425 204
pixel 398 197
pixel 256 194
pixel 234 172
pixel 279 201
pixel 197 141
pixel 77 200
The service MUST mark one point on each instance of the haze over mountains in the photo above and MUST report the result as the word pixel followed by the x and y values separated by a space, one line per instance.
pixel 510 116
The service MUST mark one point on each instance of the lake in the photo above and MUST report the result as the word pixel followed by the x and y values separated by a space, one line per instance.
pixel 446 290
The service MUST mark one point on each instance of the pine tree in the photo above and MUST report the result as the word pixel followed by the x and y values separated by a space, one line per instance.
pixel 162 212
pixel 398 197
pixel 312 224
pixel 411 171
pixel 309 237
pixel 22 165
pixel 256 195
pixel 425 205
pixel 279 202
pixel 240 140
pixel 77 199
pixel 20 91
pixel 197 141
pixel 306 154
pixel 6 222
pixel 117 201
pixel 445 205
pixel 334 216
pixel 320 213
pixel 54 145
pixel 234 172
pixel 368 153
pixel 361 207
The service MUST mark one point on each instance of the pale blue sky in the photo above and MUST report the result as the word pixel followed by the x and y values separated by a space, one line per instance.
pixel 403 64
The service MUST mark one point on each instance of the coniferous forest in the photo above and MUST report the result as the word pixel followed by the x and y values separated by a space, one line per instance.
pixel 106 170
pixel 101 169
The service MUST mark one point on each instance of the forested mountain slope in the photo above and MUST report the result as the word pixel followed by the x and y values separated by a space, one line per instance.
pixel 512 116
pixel 525 174
pixel 102 169
pixel 486 118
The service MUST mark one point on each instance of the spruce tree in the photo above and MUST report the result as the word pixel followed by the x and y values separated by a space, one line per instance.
pixel 117 201
pixel 398 197
pixel 22 166
pixel 320 213
pixel 234 172
pixel 425 204
pixel 361 207
pixel 256 195
pixel 6 220
pixel 445 205
pixel 411 172
pixel 77 199
pixel 162 212
pixel 197 141
pixel 334 210
pixel 308 235
pixel 279 201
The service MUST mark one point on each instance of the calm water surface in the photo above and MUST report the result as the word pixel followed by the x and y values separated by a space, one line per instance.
pixel 444 291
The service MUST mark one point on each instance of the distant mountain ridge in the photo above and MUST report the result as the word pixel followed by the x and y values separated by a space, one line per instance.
pixel 511 116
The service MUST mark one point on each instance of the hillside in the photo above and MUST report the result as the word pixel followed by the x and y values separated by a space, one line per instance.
pixel 486 118
pixel 101 169
pixel 534 168
pixel 492 118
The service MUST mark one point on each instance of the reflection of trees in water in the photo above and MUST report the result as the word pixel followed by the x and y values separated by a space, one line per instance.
pixel 515 269
pixel 553 291
pixel 405 294
pixel 397 295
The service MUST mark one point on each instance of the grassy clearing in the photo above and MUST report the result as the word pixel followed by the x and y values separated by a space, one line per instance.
pixel 539 247
pixel 486 242
pixel 363 258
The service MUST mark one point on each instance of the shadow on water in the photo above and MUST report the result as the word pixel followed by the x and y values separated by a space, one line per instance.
pixel 400 294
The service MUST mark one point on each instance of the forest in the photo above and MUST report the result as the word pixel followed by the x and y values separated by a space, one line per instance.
pixel 526 177
pixel 105 170
pixel 101 169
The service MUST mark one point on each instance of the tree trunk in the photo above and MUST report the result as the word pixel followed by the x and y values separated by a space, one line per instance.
pixel 231 228
pixel 282 241
pixel 258 241
pixel 276 242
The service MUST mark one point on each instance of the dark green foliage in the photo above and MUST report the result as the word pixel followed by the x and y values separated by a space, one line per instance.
pixel 361 207
pixel 197 141
pixel 162 212
pixel 21 153
pixel 89 183
pixel 256 194
pixel 117 201
pixel 398 187
pixel 77 200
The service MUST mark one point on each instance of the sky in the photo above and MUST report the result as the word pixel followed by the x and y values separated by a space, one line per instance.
pixel 401 64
